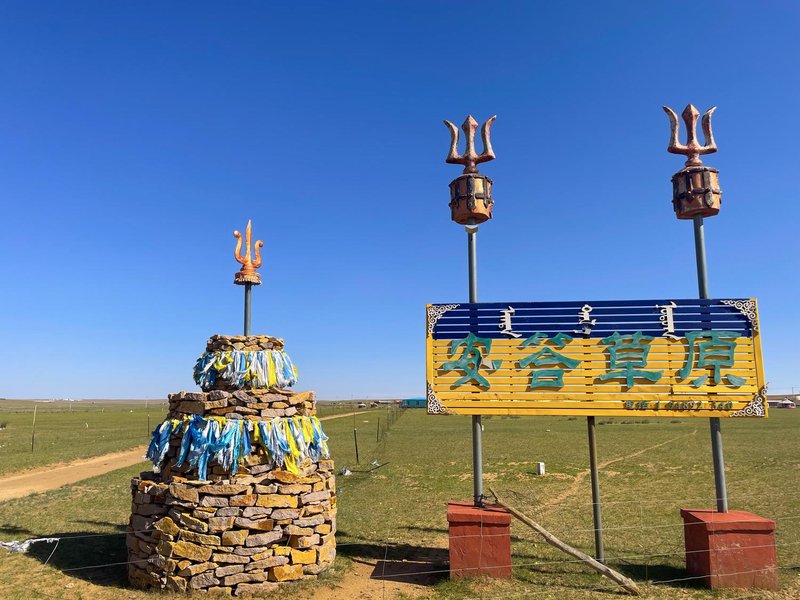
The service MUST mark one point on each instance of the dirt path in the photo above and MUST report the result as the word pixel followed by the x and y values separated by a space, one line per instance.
pixel 576 484
pixel 52 477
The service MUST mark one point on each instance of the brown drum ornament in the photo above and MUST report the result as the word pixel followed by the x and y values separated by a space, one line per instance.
pixel 695 192
pixel 471 199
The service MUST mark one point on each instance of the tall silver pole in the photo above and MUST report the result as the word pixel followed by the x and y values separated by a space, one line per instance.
pixel 714 422
pixel 599 554
pixel 477 426
pixel 247 290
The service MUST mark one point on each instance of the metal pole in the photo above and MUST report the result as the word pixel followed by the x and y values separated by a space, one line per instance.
pixel 247 289
pixel 714 422
pixel 477 426
pixel 355 442
pixel 596 509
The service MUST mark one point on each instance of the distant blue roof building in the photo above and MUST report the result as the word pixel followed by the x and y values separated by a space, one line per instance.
pixel 413 403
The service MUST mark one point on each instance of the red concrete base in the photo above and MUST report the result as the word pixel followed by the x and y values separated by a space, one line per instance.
pixel 730 550
pixel 480 540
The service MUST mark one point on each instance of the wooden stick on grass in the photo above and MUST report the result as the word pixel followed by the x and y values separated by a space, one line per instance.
pixel 627 584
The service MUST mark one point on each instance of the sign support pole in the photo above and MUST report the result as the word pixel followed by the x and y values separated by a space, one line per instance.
pixel 597 515
pixel 477 425
pixel 714 422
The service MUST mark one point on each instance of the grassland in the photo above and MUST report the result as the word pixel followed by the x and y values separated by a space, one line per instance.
pixel 395 515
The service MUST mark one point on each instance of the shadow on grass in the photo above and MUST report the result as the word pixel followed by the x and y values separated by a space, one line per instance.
pixel 99 558
pixel 670 575
pixel 13 529
pixel 406 563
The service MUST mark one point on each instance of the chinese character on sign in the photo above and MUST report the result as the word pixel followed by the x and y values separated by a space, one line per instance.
pixel 471 360
pixel 714 350
pixel 628 353
pixel 505 322
pixel 667 319
pixel 584 318
pixel 547 357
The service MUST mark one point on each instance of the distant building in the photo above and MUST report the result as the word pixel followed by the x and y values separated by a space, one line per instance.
pixel 413 403
pixel 782 401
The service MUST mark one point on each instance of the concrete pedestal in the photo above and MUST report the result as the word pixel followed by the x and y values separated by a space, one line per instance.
pixel 730 550
pixel 480 540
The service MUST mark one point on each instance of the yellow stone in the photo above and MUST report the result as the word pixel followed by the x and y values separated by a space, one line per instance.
pixel 277 501
pixel 234 538
pixel 287 477
pixel 323 529
pixel 327 553
pixel 283 551
pixel 166 525
pixel 304 557
pixel 285 572
pixel 191 551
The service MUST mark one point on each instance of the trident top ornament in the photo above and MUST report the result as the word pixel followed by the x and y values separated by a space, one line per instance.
pixel 691 149
pixel 695 188
pixel 469 159
pixel 247 274
pixel 470 194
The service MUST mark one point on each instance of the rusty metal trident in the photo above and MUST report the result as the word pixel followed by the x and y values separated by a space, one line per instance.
pixel 470 159
pixel 692 150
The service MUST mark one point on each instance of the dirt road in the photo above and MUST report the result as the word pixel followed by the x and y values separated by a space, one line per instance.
pixel 53 477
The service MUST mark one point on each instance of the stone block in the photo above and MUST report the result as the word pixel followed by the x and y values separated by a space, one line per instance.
pixel 304 557
pixel 166 525
pixel 230 489
pixel 276 501
pixel 253 512
pixel 191 551
pixel 229 558
pixel 185 493
pixel 200 538
pixel 266 563
pixel 305 541
pixel 228 570
pixel 255 588
pixel 258 524
pixel 188 522
pixel 175 584
pixel 243 500
pixel 220 523
pixel 203 581
pixel 196 568
pixel 234 537
pixel 315 497
pixel 286 573
pixel 262 539
pixel 228 511
pixel 215 501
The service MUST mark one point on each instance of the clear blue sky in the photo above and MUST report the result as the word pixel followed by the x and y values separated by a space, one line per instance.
pixel 135 136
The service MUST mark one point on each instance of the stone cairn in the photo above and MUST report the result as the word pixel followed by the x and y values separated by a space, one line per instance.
pixel 236 533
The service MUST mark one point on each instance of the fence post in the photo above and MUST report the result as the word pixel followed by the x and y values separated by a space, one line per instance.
pixel 33 431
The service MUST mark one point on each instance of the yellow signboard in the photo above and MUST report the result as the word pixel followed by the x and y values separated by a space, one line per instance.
pixel 668 358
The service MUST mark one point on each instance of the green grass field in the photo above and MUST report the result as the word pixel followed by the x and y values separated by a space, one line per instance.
pixel 397 513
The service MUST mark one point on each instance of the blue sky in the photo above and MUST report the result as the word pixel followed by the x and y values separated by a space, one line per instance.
pixel 135 136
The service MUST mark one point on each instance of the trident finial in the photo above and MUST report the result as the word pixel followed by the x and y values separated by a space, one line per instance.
pixel 469 159
pixel 247 274
pixel 691 149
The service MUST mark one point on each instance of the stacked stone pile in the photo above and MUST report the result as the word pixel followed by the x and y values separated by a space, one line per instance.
pixel 240 532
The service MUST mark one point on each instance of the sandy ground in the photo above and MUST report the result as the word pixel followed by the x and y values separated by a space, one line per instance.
pixel 52 477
